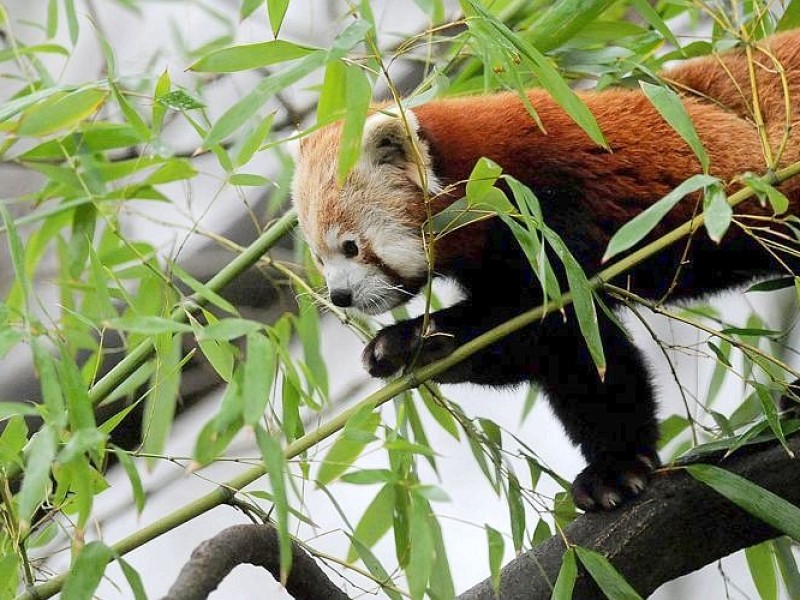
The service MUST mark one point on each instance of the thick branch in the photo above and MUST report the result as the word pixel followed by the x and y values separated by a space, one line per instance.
pixel 251 544
pixel 677 526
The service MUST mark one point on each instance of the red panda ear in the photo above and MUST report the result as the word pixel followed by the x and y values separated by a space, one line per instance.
pixel 388 139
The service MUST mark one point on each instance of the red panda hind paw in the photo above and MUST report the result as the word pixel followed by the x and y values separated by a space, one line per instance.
pixel 398 346
pixel 607 485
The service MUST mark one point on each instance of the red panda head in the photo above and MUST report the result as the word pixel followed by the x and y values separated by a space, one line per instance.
pixel 365 234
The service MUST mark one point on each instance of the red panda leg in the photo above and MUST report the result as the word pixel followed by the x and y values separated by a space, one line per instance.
pixel 612 421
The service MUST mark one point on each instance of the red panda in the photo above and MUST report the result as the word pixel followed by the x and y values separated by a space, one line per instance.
pixel 366 234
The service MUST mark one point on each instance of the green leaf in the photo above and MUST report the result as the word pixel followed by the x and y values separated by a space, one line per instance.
pixel 422 550
pixel 248 179
pixel 254 140
pixel 39 455
pixel 358 94
pixel 788 567
pixel 561 20
pixel 544 71
pixel 369 476
pixel 241 112
pixel 776 198
pixel 159 410
pixel 229 329
pixel 358 432
pixel 12 53
pixel 606 576
pixel 333 95
pixel 162 88
pixel 496 547
pixel 276 10
pixel 637 228
pixel 86 572
pixel 148 325
pixel 179 100
pixel 716 211
pixel 202 290
pixel 439 412
pixel 11 409
pixel 134 581
pixel 250 56
pixel 133 476
pixel 275 463
pixel 374 523
pixel 761 503
pixel 649 14
pixel 52 395
pixel 17 251
pixel 761 563
pixel 259 376
pixel 481 190
pixel 61 112
pixel 374 566
pixel 791 17
pixel 566 576
pixel 248 7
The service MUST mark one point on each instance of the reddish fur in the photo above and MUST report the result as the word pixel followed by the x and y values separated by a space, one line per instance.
pixel 647 159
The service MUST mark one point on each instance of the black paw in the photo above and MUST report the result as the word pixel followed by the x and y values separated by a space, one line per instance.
pixel 607 484
pixel 402 345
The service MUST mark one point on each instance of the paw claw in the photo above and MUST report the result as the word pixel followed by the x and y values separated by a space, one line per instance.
pixel 609 483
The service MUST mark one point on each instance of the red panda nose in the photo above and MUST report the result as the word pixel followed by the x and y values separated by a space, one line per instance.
pixel 342 298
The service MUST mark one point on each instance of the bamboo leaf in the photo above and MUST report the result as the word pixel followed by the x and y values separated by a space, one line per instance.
pixel 250 56
pixel 62 112
pixel 275 464
pixel 276 10
pixel 761 503
pixel 359 431
pixel 133 476
pixel 717 212
pixel 761 563
pixel 374 523
pixel 566 576
pixel 637 228
pixel 86 572
pixel 39 455
pixel 358 92
pixel 259 376
pixel 496 547
pixel 606 576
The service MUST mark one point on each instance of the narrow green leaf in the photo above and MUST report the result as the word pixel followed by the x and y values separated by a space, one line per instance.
pixel 134 580
pixel 72 20
pixel 566 576
pixel 148 325
pixel 606 576
pixel 516 512
pixel 254 140
pixel 761 563
pixel 776 198
pixel 17 251
pixel 133 476
pixel 791 17
pixel 52 395
pixel 421 556
pixel 358 92
pixel 276 10
pixel 250 56
pixel 79 407
pixel 259 376
pixel 637 228
pixel 717 212
pixel 333 95
pixel 275 463
pixel 358 432
pixel 230 329
pixel 86 572
pixel 788 567
pixel 352 35
pixel 12 409
pixel 248 179
pixel 649 14
pixel 496 547
pixel 771 413
pixel 241 112
pixel 440 413
pixel 159 110
pixel 374 523
pixel 761 503
pixel 374 566
pixel 560 21
pixel 39 455
pixel 159 410
pixel 547 75
pixel 179 100
pixel 248 7
pixel 202 290
pixel 61 112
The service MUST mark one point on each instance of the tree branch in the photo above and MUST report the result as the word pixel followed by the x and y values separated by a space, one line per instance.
pixel 255 544
pixel 676 526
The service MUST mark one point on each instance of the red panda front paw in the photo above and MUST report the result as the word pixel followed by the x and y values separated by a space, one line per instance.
pixel 608 484
pixel 402 345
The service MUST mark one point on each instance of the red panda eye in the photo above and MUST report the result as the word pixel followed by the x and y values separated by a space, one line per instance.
pixel 349 248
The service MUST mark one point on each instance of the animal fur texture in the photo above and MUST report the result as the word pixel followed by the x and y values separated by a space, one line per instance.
pixel 366 233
